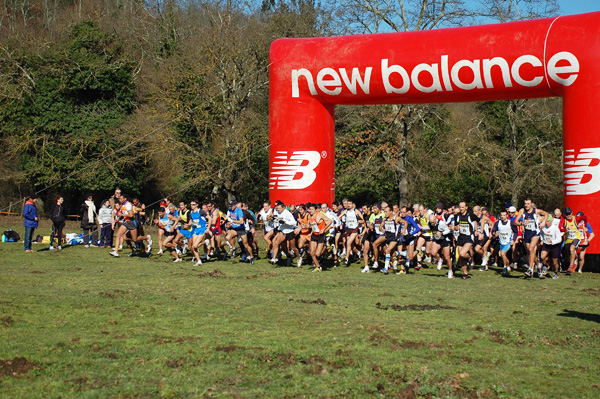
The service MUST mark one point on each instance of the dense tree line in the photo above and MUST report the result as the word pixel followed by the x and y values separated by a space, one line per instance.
pixel 171 96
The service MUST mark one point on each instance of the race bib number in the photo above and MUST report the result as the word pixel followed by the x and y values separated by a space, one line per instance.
pixel 195 222
pixel 530 225
pixel 390 227
pixel 351 224
pixel 315 228
pixel 571 234
pixel 378 228
pixel 504 238
pixel 464 230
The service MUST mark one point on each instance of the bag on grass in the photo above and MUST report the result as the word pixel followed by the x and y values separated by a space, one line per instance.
pixel 10 236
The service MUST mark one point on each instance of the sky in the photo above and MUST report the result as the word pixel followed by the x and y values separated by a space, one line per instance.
pixel 569 7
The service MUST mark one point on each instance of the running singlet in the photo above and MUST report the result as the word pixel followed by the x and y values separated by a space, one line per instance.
pixel 166 224
pixel 572 232
pixel 317 228
pixel 505 232
pixel 238 214
pixel 424 224
pixel 269 224
pixel 304 220
pixel 376 220
pixel 199 220
pixel 185 218
pixel 530 224
pixel 465 225
pixel 127 211
pixel 351 219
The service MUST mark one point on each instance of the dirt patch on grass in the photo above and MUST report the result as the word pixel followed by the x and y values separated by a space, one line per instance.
pixel 214 274
pixel 229 349
pixel 37 272
pixel 15 367
pixel 180 340
pixel 271 274
pixel 175 364
pixel 416 308
pixel 592 291
pixel 317 301
pixel 6 321
pixel 393 343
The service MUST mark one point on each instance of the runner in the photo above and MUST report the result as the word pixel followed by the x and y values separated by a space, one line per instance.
pixel 572 239
pixel 128 224
pixel 285 235
pixel 351 217
pixel 303 231
pixel 200 224
pixel 529 218
pixel 319 224
pixel 552 238
pixel 506 232
pixel 266 217
pixel 466 225
pixel 587 235
pixel 441 240
pixel 391 229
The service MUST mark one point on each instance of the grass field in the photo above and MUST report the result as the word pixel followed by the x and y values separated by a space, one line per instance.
pixel 81 324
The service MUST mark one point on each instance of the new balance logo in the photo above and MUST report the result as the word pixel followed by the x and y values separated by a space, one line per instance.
pixel 582 171
pixel 294 172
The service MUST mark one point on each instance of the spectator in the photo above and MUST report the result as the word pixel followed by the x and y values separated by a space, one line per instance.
pixel 88 222
pixel 31 220
pixel 57 215
pixel 106 218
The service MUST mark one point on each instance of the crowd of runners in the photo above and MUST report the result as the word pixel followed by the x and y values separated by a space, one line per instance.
pixel 379 237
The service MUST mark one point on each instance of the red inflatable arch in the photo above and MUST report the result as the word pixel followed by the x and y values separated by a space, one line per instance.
pixel 538 58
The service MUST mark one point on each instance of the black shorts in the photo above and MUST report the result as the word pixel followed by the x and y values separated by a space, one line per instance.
pixel 443 243
pixel 130 224
pixel 349 231
pixel 462 240
pixel 553 250
pixel 318 238
pixel 241 232
pixel 575 243
pixel 391 238
pixel 290 236
pixel 427 238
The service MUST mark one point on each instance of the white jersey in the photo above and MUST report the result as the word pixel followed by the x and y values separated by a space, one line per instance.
pixel 263 216
pixel 552 235
pixel 287 223
pixel 335 221
pixel 505 232
pixel 351 219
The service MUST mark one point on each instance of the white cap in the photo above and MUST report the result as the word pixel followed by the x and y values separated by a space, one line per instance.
pixel 512 209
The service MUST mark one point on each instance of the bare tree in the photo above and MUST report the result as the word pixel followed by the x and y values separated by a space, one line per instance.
pixel 375 16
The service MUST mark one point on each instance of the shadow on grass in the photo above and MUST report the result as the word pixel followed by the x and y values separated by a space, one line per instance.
pixel 580 315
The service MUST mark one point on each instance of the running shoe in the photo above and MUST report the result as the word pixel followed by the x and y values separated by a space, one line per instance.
pixel 199 263
pixel 365 269
pixel 418 266
pixel 149 243
pixel 317 269
pixel 160 252
pixel 402 271
pixel 466 276
pixel 529 272
pixel 505 271
pixel 177 260
pixel 375 265
pixel 385 270
pixel 579 271
pixel 544 271
pixel 439 265
pixel 483 268
pixel 450 274
pixel 115 254
pixel 299 263
pixel 554 276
